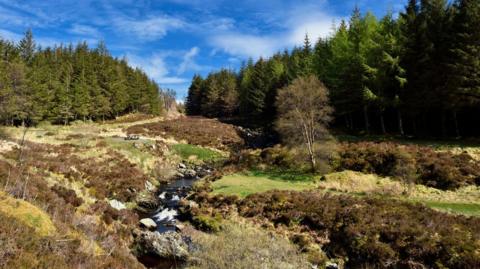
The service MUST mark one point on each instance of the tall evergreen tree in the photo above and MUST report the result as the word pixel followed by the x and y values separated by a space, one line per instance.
pixel 27 47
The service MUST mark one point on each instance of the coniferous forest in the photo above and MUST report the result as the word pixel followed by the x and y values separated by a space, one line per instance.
pixel 417 74
pixel 68 83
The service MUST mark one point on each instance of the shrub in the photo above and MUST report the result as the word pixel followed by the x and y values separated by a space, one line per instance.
pixel 194 130
pixel 69 196
pixel 372 232
pixel 413 164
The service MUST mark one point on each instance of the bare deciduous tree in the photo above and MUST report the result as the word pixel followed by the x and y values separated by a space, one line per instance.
pixel 304 113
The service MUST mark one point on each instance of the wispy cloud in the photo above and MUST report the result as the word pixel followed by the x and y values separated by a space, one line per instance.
pixel 284 29
pixel 10 36
pixel 84 30
pixel 150 29
pixel 188 62
pixel 156 68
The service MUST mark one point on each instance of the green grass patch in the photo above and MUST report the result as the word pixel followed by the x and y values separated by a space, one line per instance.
pixel 256 181
pixel 191 152
pixel 136 155
pixel 455 208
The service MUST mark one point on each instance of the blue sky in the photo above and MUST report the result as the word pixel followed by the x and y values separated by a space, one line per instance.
pixel 171 40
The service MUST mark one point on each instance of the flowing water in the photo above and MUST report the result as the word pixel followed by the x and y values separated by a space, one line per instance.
pixel 169 197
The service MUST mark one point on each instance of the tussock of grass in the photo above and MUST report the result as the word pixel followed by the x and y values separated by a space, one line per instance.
pixel 357 182
pixel 257 181
pixel 127 148
pixel 465 200
pixel 191 152
pixel 244 247
pixel 27 214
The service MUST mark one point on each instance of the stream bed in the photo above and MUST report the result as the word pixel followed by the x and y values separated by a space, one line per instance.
pixel 166 215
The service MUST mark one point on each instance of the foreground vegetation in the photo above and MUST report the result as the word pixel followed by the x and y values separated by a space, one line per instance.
pixel 363 232
pixel 58 185
pixel 57 188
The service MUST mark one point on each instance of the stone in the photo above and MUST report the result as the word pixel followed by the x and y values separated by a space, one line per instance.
pixel 148 223
pixel 168 245
pixel 190 173
pixel 147 203
pixel 117 204
pixel 149 186
pixel 182 166
pixel 179 227
pixel 331 265
pixel 138 145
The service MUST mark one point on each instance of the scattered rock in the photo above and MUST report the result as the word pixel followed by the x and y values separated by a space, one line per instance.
pixel 149 186
pixel 117 204
pixel 147 203
pixel 331 265
pixel 179 227
pixel 182 166
pixel 169 245
pixel 148 223
pixel 190 173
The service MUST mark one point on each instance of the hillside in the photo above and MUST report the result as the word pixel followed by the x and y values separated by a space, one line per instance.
pixel 81 190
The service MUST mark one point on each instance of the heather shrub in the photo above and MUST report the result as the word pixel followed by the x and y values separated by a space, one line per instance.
pixel 411 164
pixel 69 196
pixel 372 232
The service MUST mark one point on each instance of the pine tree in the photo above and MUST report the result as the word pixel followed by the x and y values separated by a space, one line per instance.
pixel 464 62
pixel 194 101
pixel 27 47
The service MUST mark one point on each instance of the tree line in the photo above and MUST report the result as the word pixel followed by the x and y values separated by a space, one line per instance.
pixel 418 74
pixel 68 83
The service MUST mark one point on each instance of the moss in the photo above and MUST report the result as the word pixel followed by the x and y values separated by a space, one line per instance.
pixel 28 214
pixel 207 223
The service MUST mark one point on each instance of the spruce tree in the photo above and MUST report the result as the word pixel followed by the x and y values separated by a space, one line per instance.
pixel 27 47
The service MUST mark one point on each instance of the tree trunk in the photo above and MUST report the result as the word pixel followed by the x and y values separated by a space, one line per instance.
pixel 400 123
pixel 444 124
pixel 455 121
pixel 313 162
pixel 350 118
pixel 347 122
pixel 382 123
pixel 367 122
pixel 415 130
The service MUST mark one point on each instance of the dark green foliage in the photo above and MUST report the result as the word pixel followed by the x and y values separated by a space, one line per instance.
pixel 441 170
pixel 371 232
pixel 414 75
pixel 66 83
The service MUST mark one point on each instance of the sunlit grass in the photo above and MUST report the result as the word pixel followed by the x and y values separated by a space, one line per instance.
pixel 256 182
pixel 191 152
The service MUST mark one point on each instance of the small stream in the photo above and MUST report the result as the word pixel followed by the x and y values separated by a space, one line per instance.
pixel 169 197
pixel 166 215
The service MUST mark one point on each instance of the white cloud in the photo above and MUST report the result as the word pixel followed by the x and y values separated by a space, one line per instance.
pixel 84 30
pixel 246 45
pixel 10 36
pixel 149 29
pixel 156 68
pixel 188 62
pixel 311 20
pixel 316 25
